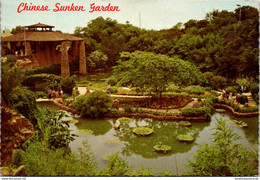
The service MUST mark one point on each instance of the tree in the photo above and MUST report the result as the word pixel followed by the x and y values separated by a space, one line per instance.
pixel 97 60
pixel 153 72
pixel 17 29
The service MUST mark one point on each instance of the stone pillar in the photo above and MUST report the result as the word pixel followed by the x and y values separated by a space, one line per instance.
pixel 65 68
pixel 82 58
pixel 28 49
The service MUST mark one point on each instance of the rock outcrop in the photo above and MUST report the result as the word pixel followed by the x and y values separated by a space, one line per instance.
pixel 15 129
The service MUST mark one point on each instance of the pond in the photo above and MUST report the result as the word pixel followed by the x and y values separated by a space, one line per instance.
pixel 138 151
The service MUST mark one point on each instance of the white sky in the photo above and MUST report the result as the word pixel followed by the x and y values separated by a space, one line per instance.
pixel 155 14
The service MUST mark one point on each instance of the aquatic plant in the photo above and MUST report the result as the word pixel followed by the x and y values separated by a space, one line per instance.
pixel 143 131
pixel 125 120
pixel 220 110
pixel 240 124
pixel 185 138
pixel 184 123
pixel 162 148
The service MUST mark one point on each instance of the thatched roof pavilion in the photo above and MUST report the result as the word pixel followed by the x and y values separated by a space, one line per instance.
pixel 42 44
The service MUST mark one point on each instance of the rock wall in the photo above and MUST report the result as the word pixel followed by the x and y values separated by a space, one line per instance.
pixel 15 129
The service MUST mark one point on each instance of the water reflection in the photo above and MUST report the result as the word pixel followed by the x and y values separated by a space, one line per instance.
pixel 98 126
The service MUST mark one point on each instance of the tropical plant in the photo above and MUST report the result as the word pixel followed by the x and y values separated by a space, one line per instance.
pixel 224 157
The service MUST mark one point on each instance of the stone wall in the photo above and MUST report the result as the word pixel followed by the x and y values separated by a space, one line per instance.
pixel 15 130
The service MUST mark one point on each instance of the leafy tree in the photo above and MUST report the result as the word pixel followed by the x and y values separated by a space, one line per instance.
pixel 153 72
pixel 17 29
pixel 96 60
pixel 224 157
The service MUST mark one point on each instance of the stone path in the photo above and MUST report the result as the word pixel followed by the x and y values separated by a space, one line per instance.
pixel 251 101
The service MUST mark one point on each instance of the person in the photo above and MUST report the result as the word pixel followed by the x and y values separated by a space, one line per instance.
pixel 109 90
pixel 230 96
pixel 49 93
pixel 224 93
pixel 56 94
pixel 241 89
pixel 61 93
pixel 53 93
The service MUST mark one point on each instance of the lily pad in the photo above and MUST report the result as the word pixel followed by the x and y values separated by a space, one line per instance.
pixel 143 131
pixel 85 131
pixel 185 138
pixel 111 141
pixel 72 121
pixel 220 110
pixel 185 123
pixel 162 148
pixel 125 120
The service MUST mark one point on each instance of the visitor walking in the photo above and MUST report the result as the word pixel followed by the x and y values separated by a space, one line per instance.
pixel 56 94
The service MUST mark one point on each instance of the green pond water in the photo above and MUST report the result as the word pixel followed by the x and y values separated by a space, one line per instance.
pixel 138 151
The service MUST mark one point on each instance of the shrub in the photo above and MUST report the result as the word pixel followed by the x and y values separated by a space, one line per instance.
pixel 114 90
pixel 52 69
pixel 194 90
pixel 24 101
pixel 41 161
pixel 32 80
pixel 254 91
pixel 245 82
pixel 93 105
pixel 215 82
pixel 143 131
pixel 112 81
pixel 231 89
pixel 116 166
pixel 67 84
pixel 128 109
pixel 195 112
pixel 40 94
pixel 11 77
pixel 247 110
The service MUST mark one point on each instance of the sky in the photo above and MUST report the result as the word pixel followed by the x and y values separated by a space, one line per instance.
pixel 148 14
